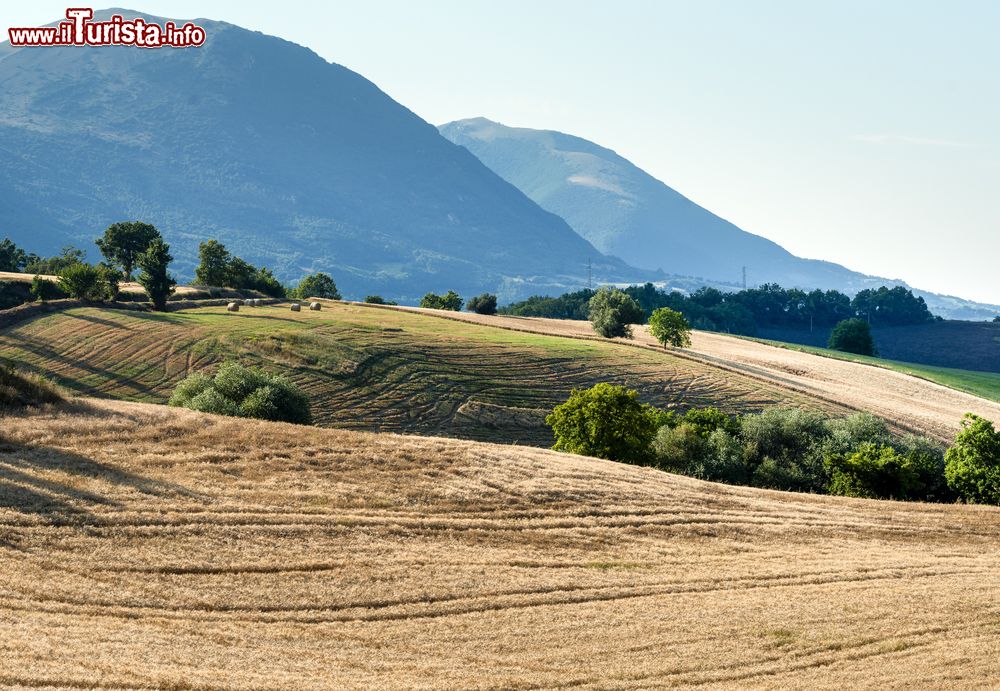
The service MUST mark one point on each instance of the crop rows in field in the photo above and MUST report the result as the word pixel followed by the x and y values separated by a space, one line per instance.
pixel 373 369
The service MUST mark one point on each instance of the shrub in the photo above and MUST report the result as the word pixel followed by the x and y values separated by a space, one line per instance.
pixel 244 392
pixel 606 421
pixel 707 420
pixel 782 449
pixel 449 301
pixel 972 464
pixel 87 282
pixel 680 449
pixel 847 435
pixel 43 289
pixel 483 304
pixel 669 327
pixel 852 336
pixel 612 312
pixel 873 471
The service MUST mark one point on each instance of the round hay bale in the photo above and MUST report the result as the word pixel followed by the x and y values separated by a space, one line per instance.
pixel 248 302
pixel 233 307
pixel 315 306
pixel 256 302
pixel 296 307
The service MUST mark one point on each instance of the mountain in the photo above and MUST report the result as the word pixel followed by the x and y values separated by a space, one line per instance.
pixel 292 162
pixel 628 213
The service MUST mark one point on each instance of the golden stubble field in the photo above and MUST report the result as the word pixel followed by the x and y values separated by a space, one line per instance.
pixel 148 547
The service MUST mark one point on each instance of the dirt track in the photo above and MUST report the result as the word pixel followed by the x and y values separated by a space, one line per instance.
pixel 908 402
pixel 149 547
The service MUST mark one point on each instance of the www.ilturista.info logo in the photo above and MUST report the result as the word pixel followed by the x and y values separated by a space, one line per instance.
pixel 118 31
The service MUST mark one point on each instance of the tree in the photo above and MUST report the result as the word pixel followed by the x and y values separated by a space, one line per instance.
pixel 153 276
pixel 483 304
pixel 972 464
pixel 612 312
pixel 318 285
pixel 88 282
pixel 449 301
pixel 12 257
pixel 243 392
pixel 670 328
pixel 213 267
pixel 123 244
pixel 43 289
pixel 53 266
pixel 852 336
pixel 606 421
pixel 876 471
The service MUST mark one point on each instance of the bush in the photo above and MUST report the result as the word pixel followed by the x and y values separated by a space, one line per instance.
pixel 244 392
pixel 87 282
pixel 972 464
pixel 670 328
pixel 449 301
pixel 483 304
pixel 874 471
pixel 606 421
pixel 612 312
pixel 852 336
pixel 43 289
pixel 782 449
pixel 680 449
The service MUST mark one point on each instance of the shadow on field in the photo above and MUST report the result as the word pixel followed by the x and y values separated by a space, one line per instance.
pixel 63 487
pixel 45 352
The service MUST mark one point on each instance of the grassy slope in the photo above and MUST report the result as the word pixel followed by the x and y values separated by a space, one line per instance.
pixel 149 547
pixel 370 368
pixel 983 384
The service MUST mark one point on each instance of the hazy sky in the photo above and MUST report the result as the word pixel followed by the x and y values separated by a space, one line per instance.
pixel 866 133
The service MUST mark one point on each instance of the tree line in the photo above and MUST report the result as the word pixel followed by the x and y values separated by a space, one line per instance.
pixel 744 312
pixel 786 449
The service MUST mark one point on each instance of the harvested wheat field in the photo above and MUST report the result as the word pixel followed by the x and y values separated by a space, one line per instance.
pixel 905 401
pixel 149 547
pixel 374 369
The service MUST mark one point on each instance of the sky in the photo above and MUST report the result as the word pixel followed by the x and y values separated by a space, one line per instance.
pixel 865 133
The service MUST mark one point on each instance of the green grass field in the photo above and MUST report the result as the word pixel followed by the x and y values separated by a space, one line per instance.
pixel 370 368
pixel 983 384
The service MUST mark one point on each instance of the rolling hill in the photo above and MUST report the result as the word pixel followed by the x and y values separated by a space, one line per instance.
pixel 626 212
pixel 292 162
pixel 149 547
pixel 374 369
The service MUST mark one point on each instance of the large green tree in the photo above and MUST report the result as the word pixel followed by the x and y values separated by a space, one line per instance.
pixel 612 312
pixel 852 336
pixel 214 264
pixel 123 243
pixel 153 276
pixel 606 421
pixel 669 327
pixel 318 285
pixel 12 257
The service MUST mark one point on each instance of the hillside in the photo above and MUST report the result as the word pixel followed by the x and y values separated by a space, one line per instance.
pixel 292 162
pixel 626 212
pixel 375 369
pixel 906 401
pixel 148 547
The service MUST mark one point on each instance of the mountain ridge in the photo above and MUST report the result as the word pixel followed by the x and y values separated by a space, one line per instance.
pixel 293 162
pixel 626 212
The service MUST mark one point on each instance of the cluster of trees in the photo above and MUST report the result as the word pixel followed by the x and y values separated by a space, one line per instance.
pixel 218 268
pixel 480 304
pixel 126 246
pixel 317 285
pixel 745 311
pixel 241 391
pixel 613 312
pixel 782 449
